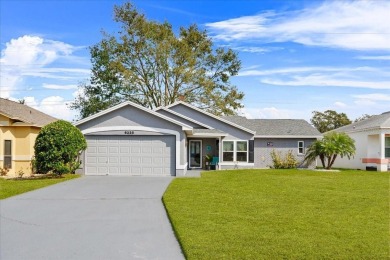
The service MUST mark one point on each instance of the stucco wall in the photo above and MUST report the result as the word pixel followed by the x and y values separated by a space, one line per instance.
pixel 22 149
pixel 264 147
pixel 367 145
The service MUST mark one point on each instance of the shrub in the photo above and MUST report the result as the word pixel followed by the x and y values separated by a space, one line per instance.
pixel 287 162
pixel 57 148
pixel 4 171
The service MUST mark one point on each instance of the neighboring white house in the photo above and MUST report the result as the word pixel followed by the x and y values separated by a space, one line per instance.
pixel 372 141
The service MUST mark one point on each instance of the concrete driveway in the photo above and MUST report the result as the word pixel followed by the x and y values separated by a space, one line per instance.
pixel 94 217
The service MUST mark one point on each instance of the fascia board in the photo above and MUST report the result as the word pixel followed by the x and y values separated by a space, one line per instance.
pixel 288 136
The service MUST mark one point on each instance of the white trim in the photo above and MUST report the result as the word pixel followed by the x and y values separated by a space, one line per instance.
pixel 183 116
pixel 211 115
pixel 142 128
pixel 128 103
pixel 21 158
pixel 289 136
pixel 189 154
pixel 207 135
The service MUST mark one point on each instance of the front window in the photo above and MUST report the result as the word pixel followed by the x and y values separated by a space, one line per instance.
pixel 228 151
pixel 235 151
pixel 8 154
pixel 301 147
pixel 387 147
pixel 242 151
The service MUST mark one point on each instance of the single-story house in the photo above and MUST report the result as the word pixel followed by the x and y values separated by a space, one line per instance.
pixel 372 141
pixel 19 126
pixel 129 139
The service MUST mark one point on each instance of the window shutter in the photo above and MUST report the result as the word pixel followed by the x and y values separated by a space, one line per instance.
pixel 251 158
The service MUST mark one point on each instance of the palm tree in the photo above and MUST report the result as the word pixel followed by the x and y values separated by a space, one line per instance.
pixel 327 149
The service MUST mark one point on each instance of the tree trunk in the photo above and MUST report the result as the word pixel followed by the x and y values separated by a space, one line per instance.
pixel 333 159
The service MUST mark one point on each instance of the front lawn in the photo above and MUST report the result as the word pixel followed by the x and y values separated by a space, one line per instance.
pixel 281 214
pixel 10 188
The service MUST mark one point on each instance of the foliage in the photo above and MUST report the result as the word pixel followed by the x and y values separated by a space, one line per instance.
pixel 4 171
pixel 362 117
pixel 287 162
pixel 14 187
pixel 332 145
pixel 329 120
pixel 281 214
pixel 20 173
pixel 208 158
pixel 57 148
pixel 148 64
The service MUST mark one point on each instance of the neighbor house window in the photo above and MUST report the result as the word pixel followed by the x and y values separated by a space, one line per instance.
pixel 301 147
pixel 235 151
pixel 8 154
pixel 387 147
pixel 228 151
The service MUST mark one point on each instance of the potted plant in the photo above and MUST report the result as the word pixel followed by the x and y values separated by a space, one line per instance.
pixel 208 159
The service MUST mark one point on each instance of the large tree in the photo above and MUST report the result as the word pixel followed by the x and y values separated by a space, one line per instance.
pixel 329 120
pixel 147 63
pixel 332 145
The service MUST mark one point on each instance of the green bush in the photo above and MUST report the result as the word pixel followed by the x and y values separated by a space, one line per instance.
pixel 57 148
pixel 287 162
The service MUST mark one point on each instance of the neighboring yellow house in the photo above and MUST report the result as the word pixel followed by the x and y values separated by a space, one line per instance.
pixel 19 126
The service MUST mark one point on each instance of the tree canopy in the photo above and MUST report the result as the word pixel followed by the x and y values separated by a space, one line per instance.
pixel 147 63
pixel 329 120
pixel 362 117
pixel 332 145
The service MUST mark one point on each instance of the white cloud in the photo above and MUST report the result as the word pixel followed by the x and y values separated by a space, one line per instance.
pixel 384 57
pixel 266 113
pixel 323 80
pixel 373 97
pixel 252 71
pixel 358 77
pixel 55 106
pixel 340 104
pixel 55 86
pixel 356 25
pixel 30 56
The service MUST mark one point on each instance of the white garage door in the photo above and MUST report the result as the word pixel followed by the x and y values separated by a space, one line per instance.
pixel 130 155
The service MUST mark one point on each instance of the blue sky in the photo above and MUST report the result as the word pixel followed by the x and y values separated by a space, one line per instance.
pixel 297 56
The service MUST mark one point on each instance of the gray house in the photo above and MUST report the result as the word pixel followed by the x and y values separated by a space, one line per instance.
pixel 129 139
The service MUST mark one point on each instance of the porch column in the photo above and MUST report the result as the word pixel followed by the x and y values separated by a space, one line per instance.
pixel 382 165
pixel 219 152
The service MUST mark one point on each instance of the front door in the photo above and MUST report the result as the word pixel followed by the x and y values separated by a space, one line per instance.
pixel 195 154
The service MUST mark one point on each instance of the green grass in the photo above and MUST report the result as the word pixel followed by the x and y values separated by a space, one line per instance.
pixel 10 188
pixel 281 214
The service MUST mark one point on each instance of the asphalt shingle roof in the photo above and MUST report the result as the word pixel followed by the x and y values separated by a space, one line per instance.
pixel 276 127
pixel 378 121
pixel 24 113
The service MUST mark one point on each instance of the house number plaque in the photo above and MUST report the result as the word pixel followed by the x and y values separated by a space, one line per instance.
pixel 129 132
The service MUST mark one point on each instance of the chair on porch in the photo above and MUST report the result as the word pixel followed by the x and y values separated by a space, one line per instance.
pixel 214 163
